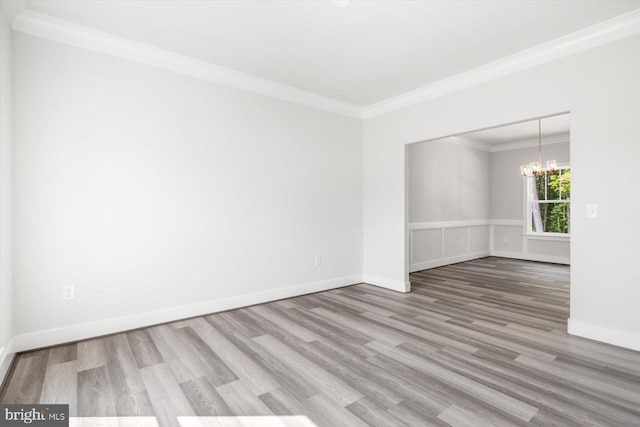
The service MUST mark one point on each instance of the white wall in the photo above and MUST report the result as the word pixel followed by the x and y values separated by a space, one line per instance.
pixel 449 202
pixel 447 182
pixel 508 207
pixel 160 196
pixel 601 89
pixel 6 314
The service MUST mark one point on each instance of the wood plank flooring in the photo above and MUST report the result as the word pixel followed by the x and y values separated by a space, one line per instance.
pixel 478 343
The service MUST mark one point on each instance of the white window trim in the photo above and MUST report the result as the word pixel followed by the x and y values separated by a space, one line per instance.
pixel 533 235
pixel 548 236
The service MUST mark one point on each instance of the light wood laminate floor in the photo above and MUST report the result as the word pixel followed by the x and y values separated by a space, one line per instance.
pixel 478 343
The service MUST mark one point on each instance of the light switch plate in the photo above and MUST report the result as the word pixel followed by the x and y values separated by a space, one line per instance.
pixel 592 211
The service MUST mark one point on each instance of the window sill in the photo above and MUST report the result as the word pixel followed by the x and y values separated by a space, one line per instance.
pixel 559 237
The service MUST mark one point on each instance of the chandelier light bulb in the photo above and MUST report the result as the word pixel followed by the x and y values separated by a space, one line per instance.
pixel 535 168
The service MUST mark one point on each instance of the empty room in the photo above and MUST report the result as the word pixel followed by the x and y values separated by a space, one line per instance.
pixel 319 213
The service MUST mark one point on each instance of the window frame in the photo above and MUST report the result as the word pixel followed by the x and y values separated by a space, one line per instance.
pixel 528 211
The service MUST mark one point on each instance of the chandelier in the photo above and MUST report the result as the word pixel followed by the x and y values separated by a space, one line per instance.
pixel 535 168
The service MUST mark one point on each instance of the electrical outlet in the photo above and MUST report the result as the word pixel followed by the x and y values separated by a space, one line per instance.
pixel 68 293
pixel 317 261
pixel 505 239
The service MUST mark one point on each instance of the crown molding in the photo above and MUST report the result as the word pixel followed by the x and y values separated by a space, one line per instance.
pixel 48 27
pixel 37 24
pixel 467 142
pixel 596 35
pixel 516 145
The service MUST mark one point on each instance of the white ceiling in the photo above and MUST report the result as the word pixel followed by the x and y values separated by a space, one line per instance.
pixel 551 126
pixel 364 53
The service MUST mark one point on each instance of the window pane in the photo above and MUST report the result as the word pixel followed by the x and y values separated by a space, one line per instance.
pixel 553 190
pixel 537 226
pixel 549 197
pixel 553 217
pixel 565 186
pixel 540 184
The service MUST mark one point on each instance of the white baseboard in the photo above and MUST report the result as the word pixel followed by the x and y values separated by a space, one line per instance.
pixel 532 257
pixel 7 354
pixel 599 333
pixel 384 282
pixel 83 331
pixel 446 261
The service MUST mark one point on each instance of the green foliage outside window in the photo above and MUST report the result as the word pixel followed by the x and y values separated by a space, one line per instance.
pixel 552 200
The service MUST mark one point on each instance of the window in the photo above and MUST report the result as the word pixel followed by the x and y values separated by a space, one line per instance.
pixel 549 202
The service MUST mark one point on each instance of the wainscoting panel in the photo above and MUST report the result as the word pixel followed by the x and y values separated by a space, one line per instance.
pixel 507 238
pixel 479 238
pixel 441 243
pixel 427 245
pixel 456 242
pixel 509 241
pixel 434 244
pixel 556 248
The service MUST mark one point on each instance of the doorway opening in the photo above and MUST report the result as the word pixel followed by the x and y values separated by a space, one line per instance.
pixel 467 197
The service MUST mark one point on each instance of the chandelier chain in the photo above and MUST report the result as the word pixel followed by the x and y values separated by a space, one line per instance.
pixel 540 142
pixel 535 168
